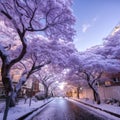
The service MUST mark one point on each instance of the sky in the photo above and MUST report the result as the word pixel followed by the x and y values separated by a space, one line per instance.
pixel 95 20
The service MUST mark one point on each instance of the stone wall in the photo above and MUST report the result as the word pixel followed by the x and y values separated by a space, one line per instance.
pixel 105 92
pixel 110 92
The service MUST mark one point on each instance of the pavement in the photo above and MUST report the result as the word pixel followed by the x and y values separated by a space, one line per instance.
pixel 78 100
pixel 66 109
pixel 82 102
pixel 29 113
pixel 22 110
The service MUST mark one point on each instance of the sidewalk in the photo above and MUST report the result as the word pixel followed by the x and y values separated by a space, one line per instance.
pixel 21 110
pixel 110 109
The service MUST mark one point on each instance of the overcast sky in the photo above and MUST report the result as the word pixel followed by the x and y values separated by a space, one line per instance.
pixel 95 19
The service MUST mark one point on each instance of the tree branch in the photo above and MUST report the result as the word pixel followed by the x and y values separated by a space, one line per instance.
pixel 100 74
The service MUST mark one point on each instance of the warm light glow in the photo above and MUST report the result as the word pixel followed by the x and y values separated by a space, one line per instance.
pixel 81 88
pixel 62 85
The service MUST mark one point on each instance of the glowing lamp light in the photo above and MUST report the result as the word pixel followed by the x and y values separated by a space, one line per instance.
pixel 62 85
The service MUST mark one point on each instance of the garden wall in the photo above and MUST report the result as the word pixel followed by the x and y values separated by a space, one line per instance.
pixel 105 92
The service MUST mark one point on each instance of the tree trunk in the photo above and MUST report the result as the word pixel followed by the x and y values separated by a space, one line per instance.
pixel 96 96
pixel 31 94
pixel 46 91
pixel 13 99
pixel 52 94
pixel 78 89
pixel 7 107
pixel 9 89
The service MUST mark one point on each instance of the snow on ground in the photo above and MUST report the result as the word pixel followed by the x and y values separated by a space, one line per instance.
pixel 103 106
pixel 21 109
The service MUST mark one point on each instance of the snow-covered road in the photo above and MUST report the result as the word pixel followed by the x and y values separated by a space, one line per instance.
pixel 62 109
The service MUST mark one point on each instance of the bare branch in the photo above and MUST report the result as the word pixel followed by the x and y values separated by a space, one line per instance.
pixel 97 77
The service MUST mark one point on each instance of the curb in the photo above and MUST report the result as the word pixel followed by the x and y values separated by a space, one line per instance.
pixel 27 114
pixel 114 114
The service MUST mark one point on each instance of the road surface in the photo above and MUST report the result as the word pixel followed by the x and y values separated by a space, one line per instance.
pixel 62 109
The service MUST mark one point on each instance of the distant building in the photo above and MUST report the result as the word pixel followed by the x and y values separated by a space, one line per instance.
pixel 26 88
pixel 113 80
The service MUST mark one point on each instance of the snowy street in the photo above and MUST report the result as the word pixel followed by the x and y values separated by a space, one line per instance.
pixel 59 60
pixel 62 109
pixel 58 108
